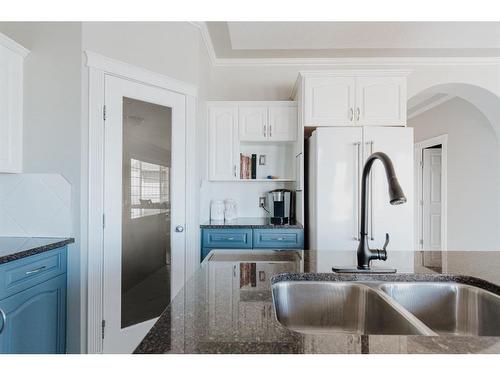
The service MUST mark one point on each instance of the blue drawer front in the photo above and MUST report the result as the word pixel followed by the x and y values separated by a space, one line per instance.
pixel 24 273
pixel 227 238
pixel 278 238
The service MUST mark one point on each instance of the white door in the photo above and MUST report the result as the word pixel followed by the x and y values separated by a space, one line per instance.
pixel 384 218
pixel 380 101
pixel 282 123
pixel 253 123
pixel 431 191
pixel 329 101
pixel 223 145
pixel 334 180
pixel 144 207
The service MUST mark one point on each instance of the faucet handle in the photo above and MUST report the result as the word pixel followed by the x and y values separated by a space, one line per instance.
pixel 386 241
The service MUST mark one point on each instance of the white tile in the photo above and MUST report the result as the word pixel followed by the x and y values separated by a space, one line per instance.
pixel 58 185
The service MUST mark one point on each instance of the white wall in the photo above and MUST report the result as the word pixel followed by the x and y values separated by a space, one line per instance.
pixel 52 125
pixel 473 173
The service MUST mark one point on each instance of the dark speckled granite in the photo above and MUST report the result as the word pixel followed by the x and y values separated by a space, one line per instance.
pixel 248 222
pixel 13 248
pixel 220 311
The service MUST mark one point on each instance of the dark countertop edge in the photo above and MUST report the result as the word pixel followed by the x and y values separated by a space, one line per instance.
pixel 36 250
pixel 251 226
pixel 401 277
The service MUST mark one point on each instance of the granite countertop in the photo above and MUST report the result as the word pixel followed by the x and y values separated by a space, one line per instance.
pixel 248 222
pixel 13 248
pixel 223 310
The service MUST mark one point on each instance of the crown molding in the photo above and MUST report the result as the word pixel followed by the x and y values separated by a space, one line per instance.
pixel 336 61
pixel 9 43
pixel 358 61
pixel 207 40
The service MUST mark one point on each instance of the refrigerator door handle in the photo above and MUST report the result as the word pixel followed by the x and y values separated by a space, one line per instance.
pixel 357 145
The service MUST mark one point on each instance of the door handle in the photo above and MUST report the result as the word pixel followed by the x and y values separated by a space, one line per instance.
pixel 351 117
pixel 3 319
pixel 358 112
pixel 264 132
pixel 179 228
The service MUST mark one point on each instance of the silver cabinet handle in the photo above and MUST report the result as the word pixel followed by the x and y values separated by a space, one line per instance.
pixel 234 270
pixel 358 112
pixel 270 131
pixel 351 117
pixel 357 145
pixel 3 320
pixel 179 228
pixel 36 270
pixel 264 132
pixel 230 238
pixel 234 170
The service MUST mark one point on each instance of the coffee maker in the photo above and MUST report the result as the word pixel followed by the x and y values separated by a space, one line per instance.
pixel 280 206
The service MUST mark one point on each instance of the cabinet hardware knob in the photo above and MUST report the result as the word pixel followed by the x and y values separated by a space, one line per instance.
pixel 179 228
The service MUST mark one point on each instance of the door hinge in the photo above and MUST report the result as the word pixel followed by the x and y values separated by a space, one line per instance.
pixel 103 221
pixel 103 325
pixel 104 113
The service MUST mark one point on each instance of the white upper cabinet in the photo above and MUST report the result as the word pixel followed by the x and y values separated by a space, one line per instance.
pixel 253 122
pixel 381 101
pixel 267 121
pixel 223 135
pixel 329 100
pixel 11 105
pixel 358 98
pixel 282 123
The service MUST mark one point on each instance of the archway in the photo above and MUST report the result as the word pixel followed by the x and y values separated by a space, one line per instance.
pixel 471 119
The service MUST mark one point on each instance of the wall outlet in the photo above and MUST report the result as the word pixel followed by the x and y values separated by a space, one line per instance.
pixel 262 201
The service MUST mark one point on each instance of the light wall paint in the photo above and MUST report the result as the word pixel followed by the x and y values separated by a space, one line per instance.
pixel 35 205
pixel 52 127
pixel 473 173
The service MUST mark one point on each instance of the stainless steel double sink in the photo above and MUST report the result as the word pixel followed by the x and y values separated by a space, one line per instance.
pixel 386 308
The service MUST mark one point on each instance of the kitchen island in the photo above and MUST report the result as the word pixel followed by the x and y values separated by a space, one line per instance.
pixel 227 306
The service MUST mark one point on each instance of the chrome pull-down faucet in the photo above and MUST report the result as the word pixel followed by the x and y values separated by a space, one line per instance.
pixel 396 196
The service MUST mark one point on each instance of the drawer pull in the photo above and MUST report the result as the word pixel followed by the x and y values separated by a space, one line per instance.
pixel 280 239
pixel 36 270
pixel 230 238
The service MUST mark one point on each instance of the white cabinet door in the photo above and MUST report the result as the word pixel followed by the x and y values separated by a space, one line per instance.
pixel 282 123
pixel 380 101
pixel 335 158
pixel 223 128
pixel 384 218
pixel 11 111
pixel 329 101
pixel 253 122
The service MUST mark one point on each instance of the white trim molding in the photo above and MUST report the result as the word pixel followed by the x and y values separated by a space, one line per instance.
pixel 419 146
pixel 128 71
pixel 11 44
pixel 207 40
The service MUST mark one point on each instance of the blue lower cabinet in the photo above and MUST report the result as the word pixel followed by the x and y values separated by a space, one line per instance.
pixel 270 239
pixel 278 238
pixel 33 320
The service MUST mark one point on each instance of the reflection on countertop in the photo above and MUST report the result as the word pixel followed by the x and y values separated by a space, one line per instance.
pixel 227 306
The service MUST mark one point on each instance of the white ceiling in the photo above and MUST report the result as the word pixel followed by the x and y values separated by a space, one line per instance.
pixel 345 39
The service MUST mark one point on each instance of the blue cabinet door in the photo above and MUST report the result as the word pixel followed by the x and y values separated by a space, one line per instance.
pixel 34 320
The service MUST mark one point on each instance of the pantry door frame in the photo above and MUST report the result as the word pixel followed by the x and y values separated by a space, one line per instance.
pixel 93 185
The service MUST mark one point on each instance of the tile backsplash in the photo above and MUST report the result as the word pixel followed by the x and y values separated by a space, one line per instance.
pixel 35 205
